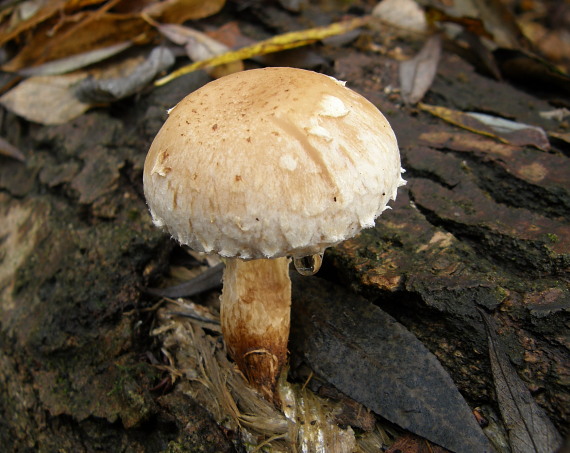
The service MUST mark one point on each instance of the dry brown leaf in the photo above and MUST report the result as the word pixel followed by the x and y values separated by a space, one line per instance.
pixel 74 62
pixel 486 18
pixel 93 32
pixel 58 99
pixel 553 44
pixel 277 43
pixel 465 21
pixel 230 35
pixel 199 46
pixel 417 74
pixel 46 99
pixel 465 141
pixel 178 11
pixel 16 26
pixel 529 428
pixel 498 128
pixel 62 29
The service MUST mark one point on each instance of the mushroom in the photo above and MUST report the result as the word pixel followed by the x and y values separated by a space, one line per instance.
pixel 261 167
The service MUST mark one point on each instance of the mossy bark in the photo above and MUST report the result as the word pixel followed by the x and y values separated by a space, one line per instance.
pixel 77 246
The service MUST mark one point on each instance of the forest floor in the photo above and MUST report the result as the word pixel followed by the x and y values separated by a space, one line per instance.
pixel 446 325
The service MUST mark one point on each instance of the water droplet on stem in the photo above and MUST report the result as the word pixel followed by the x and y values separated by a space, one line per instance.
pixel 308 265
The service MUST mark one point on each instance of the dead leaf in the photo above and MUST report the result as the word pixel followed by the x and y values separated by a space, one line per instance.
pixel 464 141
pixel 61 29
pixel 74 62
pixel 473 48
pixel 553 44
pixel 458 17
pixel 535 73
pixel 506 131
pixel 486 18
pixel 370 357
pixel 110 89
pixel 199 46
pixel 529 429
pixel 57 99
pixel 518 134
pixel 179 11
pixel 206 281
pixel 230 35
pixel 275 44
pixel 556 114
pixel 17 24
pixel 93 32
pixel 46 99
pixel 417 74
pixel 9 150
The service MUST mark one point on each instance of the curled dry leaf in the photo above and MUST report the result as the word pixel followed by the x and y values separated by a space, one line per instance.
pixel 417 74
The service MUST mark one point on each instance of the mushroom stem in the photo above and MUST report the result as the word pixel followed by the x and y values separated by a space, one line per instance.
pixel 255 317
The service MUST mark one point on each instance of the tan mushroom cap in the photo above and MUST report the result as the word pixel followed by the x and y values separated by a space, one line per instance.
pixel 271 162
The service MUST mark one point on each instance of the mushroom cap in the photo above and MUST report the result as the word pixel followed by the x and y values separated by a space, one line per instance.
pixel 271 162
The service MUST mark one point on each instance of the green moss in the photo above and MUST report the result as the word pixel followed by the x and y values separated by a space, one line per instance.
pixel 128 374
pixel 133 214
pixel 501 293
pixel 119 383
pixel 553 238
